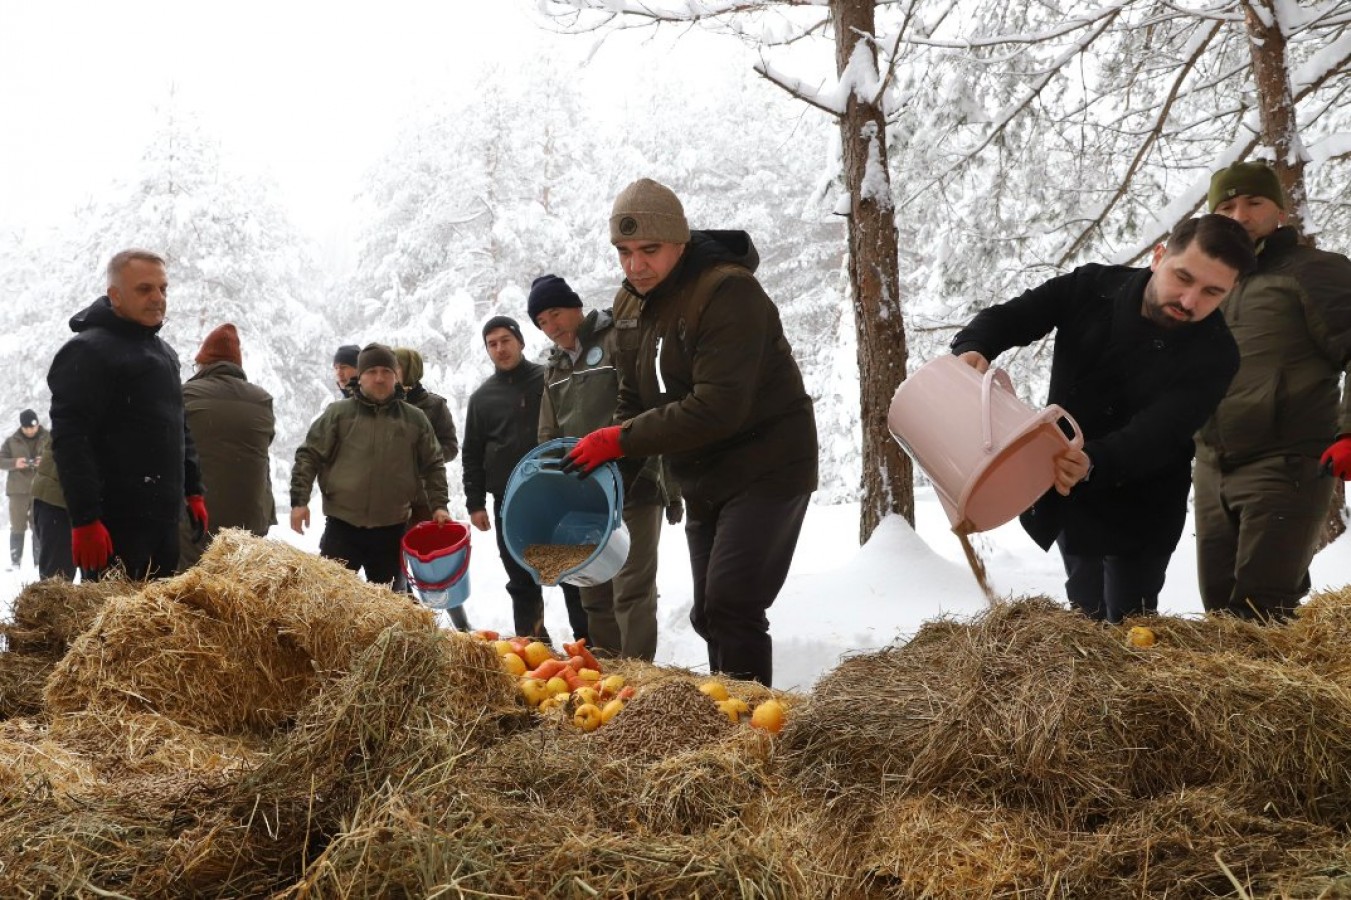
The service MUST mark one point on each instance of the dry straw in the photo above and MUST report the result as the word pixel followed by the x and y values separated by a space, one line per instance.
pixel 269 725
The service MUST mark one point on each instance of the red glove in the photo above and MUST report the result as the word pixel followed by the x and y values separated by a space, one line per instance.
pixel 90 546
pixel 1337 458
pixel 597 448
pixel 197 513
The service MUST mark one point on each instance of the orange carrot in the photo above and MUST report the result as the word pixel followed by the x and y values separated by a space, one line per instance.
pixel 569 674
pixel 578 648
pixel 547 669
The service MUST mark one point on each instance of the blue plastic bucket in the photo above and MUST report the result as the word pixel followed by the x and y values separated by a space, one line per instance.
pixel 546 506
pixel 436 562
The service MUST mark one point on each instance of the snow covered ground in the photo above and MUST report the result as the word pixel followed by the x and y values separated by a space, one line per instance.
pixel 839 597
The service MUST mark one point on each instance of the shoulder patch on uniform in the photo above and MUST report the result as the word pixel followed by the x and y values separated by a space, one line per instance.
pixel 594 356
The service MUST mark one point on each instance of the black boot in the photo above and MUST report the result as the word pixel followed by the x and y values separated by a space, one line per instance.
pixel 15 547
pixel 459 618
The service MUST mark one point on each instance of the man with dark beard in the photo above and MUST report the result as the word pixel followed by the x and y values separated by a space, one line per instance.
pixel 1139 362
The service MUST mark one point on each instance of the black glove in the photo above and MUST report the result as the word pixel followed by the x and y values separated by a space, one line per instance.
pixel 675 511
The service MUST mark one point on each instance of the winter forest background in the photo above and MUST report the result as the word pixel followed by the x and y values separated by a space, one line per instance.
pixel 1019 140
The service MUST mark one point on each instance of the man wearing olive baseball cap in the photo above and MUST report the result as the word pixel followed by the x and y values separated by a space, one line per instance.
pixel 1260 503
pixel 707 380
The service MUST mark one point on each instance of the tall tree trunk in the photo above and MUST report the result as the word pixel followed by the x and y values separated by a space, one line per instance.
pixel 1275 102
pixel 888 484
pixel 1276 105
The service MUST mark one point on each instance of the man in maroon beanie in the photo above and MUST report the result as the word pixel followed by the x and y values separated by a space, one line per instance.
pixel 232 424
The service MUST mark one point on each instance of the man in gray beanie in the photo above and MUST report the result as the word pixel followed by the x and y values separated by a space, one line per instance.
pixel 707 379
pixel 1260 503
pixel 372 455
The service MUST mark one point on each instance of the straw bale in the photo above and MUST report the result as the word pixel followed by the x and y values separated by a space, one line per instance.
pixel 328 611
pixel 22 677
pixel 195 648
pixel 1321 633
pixel 1032 705
pixel 146 743
pixel 1174 845
pixel 34 765
pixel 404 846
pixel 413 701
pixel 931 846
pixel 48 615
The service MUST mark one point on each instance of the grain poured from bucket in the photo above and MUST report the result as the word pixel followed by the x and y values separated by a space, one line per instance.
pixel 552 560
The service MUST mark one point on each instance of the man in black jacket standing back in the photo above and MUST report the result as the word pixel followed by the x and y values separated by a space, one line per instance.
pixel 1140 362
pixel 499 429
pixel 120 438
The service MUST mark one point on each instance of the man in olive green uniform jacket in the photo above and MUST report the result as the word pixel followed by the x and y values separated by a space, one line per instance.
pixel 707 379
pixel 20 455
pixel 371 453
pixel 581 390
pixel 1260 501
pixel 232 424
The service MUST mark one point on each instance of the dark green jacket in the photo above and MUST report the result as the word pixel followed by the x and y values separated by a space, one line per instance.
pixel 232 425
pixel 19 482
pixel 707 378
pixel 371 460
pixel 1292 321
pixel 581 396
pixel 47 484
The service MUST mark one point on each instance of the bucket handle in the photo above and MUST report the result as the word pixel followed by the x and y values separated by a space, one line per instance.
pixel 992 374
pixel 1075 439
pixel 531 463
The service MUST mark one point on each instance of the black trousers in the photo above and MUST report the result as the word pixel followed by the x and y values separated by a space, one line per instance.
pixel 527 598
pixel 1111 588
pixel 374 549
pixel 147 548
pixel 739 555
pixel 51 541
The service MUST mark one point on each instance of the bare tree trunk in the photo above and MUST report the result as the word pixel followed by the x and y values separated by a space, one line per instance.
pixel 1280 131
pixel 1275 102
pixel 888 484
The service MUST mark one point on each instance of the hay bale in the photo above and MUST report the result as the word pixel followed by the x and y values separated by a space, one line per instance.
pixel 931 846
pixel 1321 632
pixel 22 677
pixel 33 766
pixel 48 615
pixel 325 609
pixel 1036 707
pixel 196 649
pixel 146 744
pixel 1178 845
pixel 237 644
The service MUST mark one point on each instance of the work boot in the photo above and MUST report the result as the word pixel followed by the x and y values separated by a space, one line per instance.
pixel 459 618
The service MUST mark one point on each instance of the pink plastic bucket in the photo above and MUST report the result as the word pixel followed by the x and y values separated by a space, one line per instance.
pixel 988 454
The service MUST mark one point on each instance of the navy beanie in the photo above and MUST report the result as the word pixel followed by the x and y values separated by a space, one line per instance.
pixel 347 355
pixel 550 292
pixel 506 322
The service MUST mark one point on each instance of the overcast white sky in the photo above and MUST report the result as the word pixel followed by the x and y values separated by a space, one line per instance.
pixel 309 90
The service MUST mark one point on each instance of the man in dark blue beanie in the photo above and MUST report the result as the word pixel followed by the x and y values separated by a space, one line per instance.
pixel 550 292
pixel 345 368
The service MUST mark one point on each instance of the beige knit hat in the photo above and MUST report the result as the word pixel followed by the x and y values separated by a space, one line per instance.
pixel 648 211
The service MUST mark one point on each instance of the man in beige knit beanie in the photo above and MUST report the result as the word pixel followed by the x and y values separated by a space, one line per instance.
pixel 707 380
